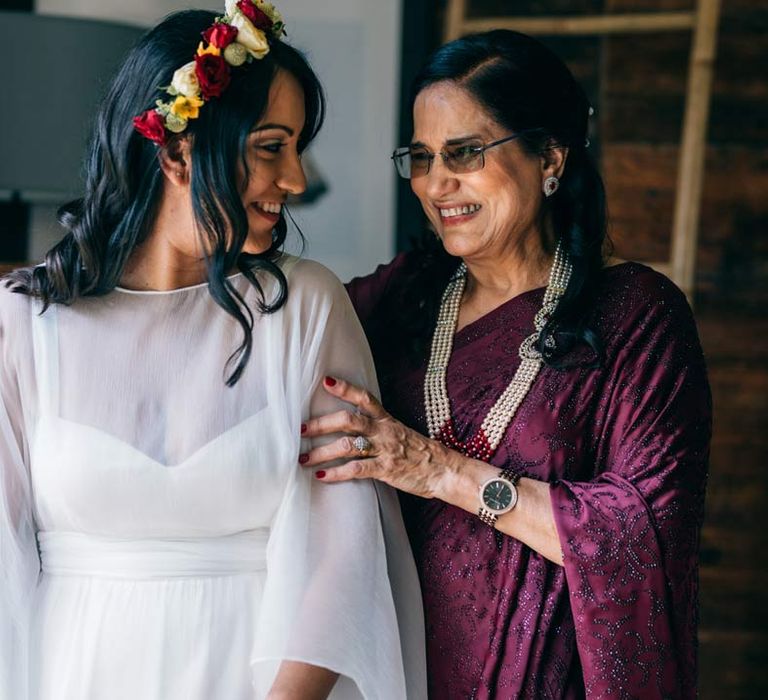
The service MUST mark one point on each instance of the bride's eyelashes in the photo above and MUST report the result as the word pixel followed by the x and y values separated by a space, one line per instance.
pixel 270 150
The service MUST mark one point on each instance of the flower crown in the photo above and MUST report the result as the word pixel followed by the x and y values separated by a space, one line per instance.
pixel 238 37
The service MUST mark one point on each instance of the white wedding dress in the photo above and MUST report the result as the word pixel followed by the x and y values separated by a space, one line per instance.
pixel 158 539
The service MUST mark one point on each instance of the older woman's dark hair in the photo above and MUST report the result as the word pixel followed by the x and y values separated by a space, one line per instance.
pixel 123 179
pixel 527 89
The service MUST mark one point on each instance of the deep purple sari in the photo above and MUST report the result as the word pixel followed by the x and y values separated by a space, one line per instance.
pixel 625 450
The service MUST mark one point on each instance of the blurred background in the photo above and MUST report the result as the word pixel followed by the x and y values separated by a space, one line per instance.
pixel 695 76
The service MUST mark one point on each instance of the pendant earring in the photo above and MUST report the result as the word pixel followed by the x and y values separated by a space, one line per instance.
pixel 550 186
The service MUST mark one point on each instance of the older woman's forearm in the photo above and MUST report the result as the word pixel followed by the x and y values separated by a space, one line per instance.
pixel 299 681
pixel 531 521
pixel 411 462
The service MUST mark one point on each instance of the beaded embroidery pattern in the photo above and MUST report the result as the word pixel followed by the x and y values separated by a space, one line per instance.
pixel 484 443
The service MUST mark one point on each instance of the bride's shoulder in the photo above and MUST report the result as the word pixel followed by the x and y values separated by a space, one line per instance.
pixel 16 313
pixel 13 304
pixel 309 277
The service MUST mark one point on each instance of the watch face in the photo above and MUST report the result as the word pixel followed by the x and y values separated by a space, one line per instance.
pixel 497 495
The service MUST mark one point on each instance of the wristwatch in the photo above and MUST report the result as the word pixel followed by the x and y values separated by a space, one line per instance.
pixel 498 496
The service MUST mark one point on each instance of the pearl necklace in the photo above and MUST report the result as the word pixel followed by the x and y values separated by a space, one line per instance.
pixel 483 444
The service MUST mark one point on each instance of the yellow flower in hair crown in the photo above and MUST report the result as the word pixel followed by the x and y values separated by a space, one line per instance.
pixel 239 36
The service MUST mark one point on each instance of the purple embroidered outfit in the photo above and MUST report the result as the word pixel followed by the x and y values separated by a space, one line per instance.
pixel 624 447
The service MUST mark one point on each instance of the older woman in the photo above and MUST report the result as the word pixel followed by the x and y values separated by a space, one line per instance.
pixel 555 506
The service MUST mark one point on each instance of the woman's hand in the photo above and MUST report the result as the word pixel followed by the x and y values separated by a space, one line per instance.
pixel 398 455
pixel 407 460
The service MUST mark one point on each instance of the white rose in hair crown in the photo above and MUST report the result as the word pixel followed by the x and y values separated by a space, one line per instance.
pixel 241 35
pixel 185 81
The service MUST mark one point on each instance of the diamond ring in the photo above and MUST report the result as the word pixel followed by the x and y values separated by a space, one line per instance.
pixel 362 445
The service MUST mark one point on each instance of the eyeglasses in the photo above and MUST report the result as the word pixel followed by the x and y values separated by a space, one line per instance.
pixel 465 157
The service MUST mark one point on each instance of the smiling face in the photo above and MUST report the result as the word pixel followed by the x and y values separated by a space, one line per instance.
pixel 482 215
pixel 274 166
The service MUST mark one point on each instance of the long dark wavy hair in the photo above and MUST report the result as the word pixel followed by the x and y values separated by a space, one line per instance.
pixel 527 89
pixel 123 179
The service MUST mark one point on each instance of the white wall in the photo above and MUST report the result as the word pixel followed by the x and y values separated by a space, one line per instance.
pixel 354 45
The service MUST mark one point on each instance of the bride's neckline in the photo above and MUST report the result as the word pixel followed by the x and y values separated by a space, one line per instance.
pixel 177 290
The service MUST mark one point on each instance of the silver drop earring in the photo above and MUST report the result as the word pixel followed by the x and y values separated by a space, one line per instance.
pixel 550 186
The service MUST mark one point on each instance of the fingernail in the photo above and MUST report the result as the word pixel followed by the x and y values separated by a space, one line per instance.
pixel 303 459
pixel 320 474
pixel 330 381
pixel 303 428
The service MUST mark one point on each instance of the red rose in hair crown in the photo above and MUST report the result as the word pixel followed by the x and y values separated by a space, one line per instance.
pixel 212 74
pixel 220 35
pixel 259 18
pixel 151 125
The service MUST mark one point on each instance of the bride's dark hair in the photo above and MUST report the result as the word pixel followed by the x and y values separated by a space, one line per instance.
pixel 123 179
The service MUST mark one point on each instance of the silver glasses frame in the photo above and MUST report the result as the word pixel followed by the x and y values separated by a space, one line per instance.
pixel 405 172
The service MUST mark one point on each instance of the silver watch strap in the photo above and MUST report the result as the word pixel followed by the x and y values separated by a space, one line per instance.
pixel 487 517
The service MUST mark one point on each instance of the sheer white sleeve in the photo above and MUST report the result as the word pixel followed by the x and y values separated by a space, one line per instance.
pixel 19 564
pixel 341 590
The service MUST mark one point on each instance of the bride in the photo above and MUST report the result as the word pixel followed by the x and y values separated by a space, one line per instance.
pixel 158 539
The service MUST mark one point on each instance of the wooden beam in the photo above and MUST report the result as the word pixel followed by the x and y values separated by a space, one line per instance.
pixel 690 174
pixel 639 23
pixel 454 20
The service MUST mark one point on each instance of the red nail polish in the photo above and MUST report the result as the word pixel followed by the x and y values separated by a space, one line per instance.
pixel 303 428
pixel 320 474
pixel 330 381
pixel 303 459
